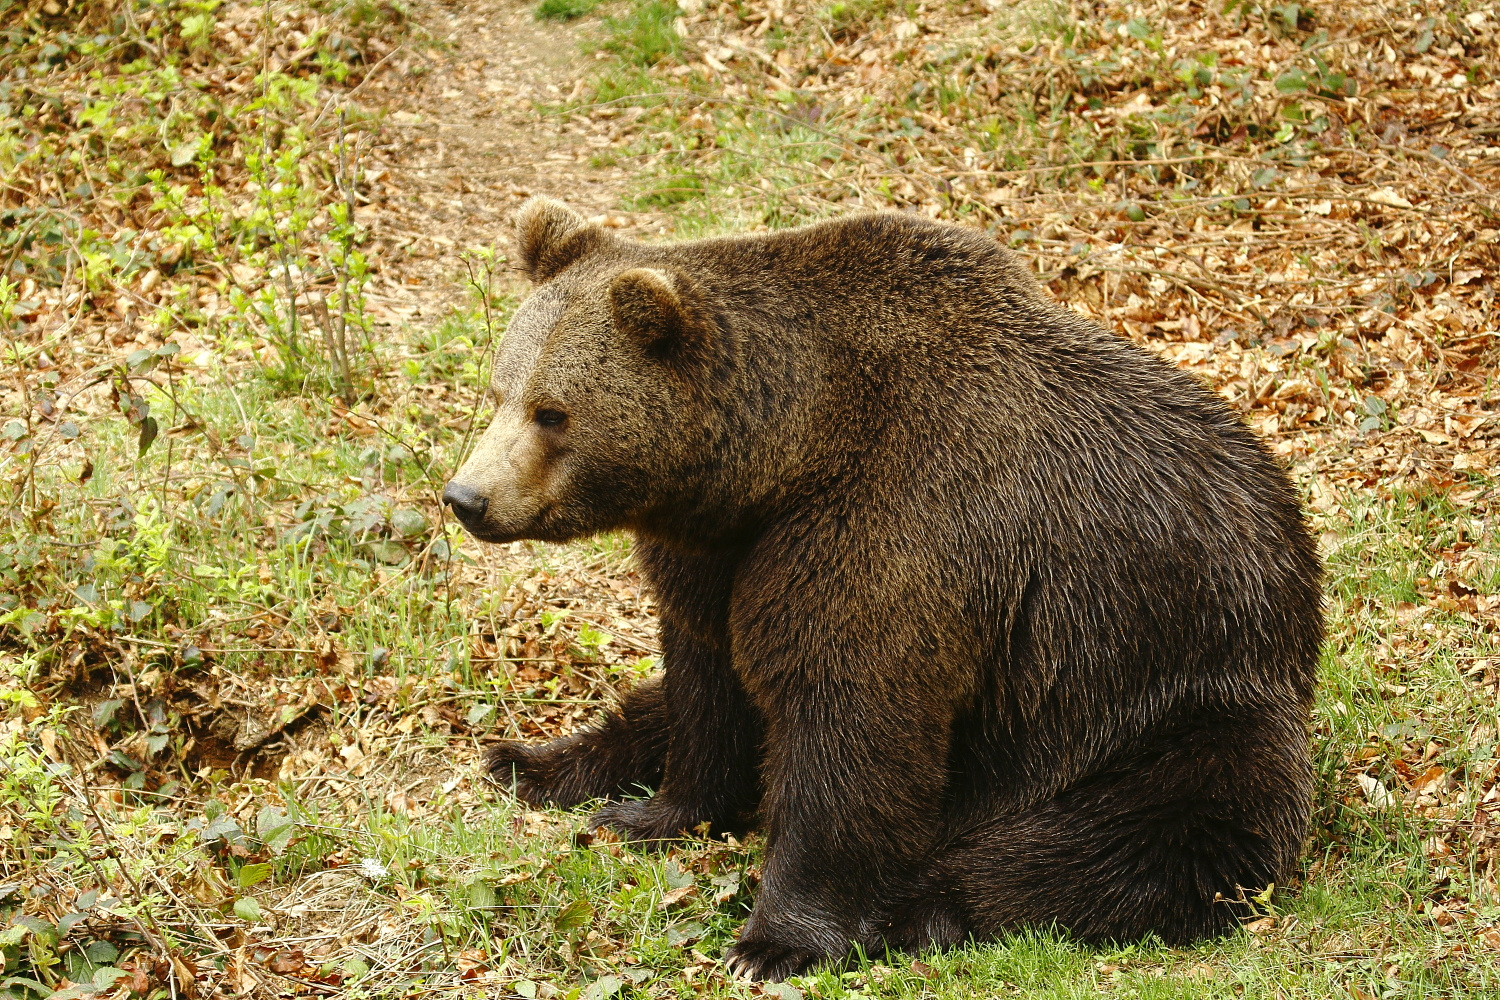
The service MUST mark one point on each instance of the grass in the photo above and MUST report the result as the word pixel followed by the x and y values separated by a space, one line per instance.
pixel 645 35
pixel 564 10
pixel 247 667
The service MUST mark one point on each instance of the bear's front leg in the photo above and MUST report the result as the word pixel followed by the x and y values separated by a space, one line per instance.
pixel 622 754
pixel 858 710
pixel 854 783
pixel 711 772
pixel 711 764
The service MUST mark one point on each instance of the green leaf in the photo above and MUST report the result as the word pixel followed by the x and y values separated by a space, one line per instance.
pixel 275 829
pixel 408 522
pixel 101 952
pixel 106 976
pixel 156 743
pixel 576 914
pixel 481 895
pixel 250 875
pixel 524 988
pixel 247 909
pixel 186 151
pixel 604 986
pixel 220 826
pixel 1293 81
pixel 71 993
pixel 388 552
pixel 675 877
pixel 148 434
pixel 782 991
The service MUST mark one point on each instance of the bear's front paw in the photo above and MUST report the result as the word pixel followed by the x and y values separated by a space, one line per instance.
pixel 643 820
pixel 769 961
pixel 530 768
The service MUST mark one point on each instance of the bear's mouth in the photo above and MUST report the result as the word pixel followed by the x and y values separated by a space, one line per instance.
pixel 538 528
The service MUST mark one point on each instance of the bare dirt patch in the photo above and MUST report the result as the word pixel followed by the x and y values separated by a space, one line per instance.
pixel 473 128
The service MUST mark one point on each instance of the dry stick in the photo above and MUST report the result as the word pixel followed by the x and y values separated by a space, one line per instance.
pixel 1440 161
pixel 635 643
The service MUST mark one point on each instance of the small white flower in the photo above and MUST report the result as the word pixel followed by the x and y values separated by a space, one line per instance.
pixel 373 869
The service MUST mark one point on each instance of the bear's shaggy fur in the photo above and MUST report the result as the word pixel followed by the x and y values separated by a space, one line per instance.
pixel 989 617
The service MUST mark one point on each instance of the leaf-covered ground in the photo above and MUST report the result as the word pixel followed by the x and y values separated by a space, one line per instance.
pixel 251 265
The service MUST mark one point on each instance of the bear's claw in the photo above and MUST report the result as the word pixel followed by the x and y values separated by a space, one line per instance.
pixel 768 961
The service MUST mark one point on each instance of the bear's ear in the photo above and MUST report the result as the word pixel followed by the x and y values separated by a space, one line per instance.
pixel 550 236
pixel 661 310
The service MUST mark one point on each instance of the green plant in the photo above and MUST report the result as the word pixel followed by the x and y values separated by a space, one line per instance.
pixel 564 10
pixel 646 35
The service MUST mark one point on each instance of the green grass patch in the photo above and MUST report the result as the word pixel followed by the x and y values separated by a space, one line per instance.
pixel 564 10
pixel 645 36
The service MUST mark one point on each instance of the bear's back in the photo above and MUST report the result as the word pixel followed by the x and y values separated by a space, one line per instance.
pixel 1074 497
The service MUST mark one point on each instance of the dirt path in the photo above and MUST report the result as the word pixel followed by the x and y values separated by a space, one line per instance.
pixel 467 143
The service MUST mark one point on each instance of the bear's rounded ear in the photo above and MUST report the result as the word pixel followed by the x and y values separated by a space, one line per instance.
pixel 550 236
pixel 661 310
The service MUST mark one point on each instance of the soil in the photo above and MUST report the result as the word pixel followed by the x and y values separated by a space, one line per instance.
pixel 472 129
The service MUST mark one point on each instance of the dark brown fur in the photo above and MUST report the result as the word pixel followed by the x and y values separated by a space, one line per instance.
pixel 991 618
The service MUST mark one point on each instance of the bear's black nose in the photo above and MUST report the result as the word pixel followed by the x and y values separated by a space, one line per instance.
pixel 468 506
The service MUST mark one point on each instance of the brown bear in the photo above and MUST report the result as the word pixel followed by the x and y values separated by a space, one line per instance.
pixel 989 617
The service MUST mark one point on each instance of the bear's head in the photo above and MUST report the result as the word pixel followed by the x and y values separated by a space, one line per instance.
pixel 597 387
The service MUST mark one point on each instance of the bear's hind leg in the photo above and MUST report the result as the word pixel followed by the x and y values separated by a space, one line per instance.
pixel 622 754
pixel 1165 844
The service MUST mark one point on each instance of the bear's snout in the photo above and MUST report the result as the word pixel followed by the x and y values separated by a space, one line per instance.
pixel 468 506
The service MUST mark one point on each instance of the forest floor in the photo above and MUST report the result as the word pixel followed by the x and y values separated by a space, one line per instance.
pixel 251 269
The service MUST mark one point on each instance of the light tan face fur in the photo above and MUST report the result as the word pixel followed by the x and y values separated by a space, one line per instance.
pixel 580 418
pixel 518 464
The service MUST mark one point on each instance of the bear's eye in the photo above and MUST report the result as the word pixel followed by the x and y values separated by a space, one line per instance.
pixel 550 418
